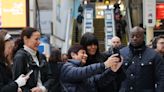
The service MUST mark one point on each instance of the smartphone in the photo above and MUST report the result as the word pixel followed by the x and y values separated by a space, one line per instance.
pixel 29 73
pixel 116 51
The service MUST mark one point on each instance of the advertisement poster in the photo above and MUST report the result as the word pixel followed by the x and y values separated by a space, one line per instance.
pixel 12 13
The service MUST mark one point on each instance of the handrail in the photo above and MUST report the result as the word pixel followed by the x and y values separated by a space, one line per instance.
pixel 68 35
pixel 59 38
pixel 128 18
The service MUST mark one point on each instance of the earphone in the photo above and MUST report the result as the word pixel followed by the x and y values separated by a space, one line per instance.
pixel 154 43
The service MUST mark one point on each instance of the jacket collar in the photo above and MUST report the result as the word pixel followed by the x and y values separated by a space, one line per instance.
pixel 76 62
pixel 29 50
pixel 137 50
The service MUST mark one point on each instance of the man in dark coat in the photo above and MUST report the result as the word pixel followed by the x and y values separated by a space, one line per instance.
pixel 143 66
pixel 158 45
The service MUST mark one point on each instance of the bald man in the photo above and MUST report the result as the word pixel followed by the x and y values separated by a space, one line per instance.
pixel 143 66
pixel 116 42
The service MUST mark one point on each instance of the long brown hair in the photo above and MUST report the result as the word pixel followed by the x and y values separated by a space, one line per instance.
pixel 3 58
pixel 2 48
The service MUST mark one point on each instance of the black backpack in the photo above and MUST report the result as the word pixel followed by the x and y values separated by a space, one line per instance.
pixel 79 19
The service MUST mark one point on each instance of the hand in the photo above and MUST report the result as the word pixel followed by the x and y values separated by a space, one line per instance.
pixel 19 90
pixel 39 89
pixel 21 80
pixel 112 61
pixel 36 89
pixel 115 67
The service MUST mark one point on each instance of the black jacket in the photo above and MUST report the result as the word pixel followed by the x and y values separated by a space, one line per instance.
pixel 84 79
pixel 144 68
pixel 98 58
pixel 119 76
pixel 23 63
pixel 6 83
pixel 55 68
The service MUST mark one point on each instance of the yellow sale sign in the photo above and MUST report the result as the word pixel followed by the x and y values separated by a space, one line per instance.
pixel 12 13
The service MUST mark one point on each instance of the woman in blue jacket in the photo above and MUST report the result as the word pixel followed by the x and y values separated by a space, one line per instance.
pixel 78 78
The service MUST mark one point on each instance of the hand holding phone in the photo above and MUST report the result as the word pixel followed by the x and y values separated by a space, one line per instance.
pixel 116 51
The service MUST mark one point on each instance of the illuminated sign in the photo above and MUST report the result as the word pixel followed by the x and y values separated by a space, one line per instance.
pixel 160 11
pixel 12 13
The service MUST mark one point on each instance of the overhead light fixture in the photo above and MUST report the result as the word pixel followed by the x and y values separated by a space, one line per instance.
pixel 107 2
pixel 119 2
pixel 85 1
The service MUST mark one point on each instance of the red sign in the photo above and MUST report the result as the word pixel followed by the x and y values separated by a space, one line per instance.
pixel 160 11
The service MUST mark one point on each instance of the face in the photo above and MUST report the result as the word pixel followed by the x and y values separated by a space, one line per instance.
pixel 160 45
pixel 81 55
pixel 137 38
pixel 92 49
pixel 116 42
pixel 33 42
pixel 9 45
pixel 64 58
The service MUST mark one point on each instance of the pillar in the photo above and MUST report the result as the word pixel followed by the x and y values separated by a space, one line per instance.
pixel 149 35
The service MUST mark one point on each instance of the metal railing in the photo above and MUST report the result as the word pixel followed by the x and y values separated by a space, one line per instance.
pixel 68 34
pixel 128 18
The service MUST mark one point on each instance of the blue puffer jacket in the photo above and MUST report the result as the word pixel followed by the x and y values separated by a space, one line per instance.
pixel 76 78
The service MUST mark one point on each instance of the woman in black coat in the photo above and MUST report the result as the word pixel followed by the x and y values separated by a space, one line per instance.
pixel 55 63
pixel 6 82
pixel 91 45
pixel 28 58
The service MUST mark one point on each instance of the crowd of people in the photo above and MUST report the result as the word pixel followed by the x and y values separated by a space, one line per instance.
pixel 132 68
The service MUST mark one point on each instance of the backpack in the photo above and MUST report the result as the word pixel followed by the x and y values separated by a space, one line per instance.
pixel 79 19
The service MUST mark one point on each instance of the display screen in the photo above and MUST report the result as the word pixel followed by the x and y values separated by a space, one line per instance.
pixel 159 16
pixel 13 13
pixel 160 11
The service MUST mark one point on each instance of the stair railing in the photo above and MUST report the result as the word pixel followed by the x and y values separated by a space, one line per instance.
pixel 68 35
pixel 128 17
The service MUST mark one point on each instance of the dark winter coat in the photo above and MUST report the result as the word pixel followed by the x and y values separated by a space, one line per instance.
pixel 23 63
pixel 144 69
pixel 98 58
pixel 55 68
pixel 6 83
pixel 115 84
pixel 84 79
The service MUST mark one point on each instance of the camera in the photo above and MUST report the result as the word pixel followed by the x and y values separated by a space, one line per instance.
pixel 116 51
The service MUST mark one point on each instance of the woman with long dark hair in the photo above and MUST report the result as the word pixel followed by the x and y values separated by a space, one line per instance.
pixel 91 45
pixel 6 82
pixel 28 58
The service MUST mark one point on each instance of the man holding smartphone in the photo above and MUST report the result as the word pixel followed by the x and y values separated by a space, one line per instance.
pixel 116 45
